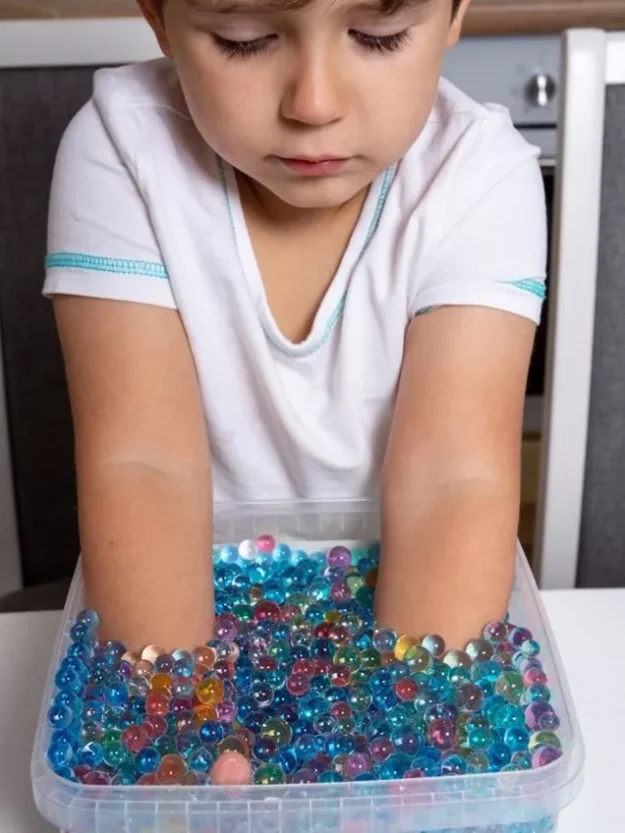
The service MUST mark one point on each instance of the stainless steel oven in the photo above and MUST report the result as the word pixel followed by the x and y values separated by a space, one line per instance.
pixel 522 73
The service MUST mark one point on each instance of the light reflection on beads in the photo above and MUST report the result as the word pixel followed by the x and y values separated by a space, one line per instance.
pixel 299 679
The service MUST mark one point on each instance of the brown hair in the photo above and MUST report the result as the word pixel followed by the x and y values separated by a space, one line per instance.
pixel 387 6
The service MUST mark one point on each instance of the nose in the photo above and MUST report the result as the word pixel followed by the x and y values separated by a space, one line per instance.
pixel 315 94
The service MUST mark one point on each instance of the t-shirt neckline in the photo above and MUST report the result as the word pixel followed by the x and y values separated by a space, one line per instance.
pixel 332 304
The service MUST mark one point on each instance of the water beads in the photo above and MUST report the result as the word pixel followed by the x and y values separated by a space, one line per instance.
pixel 300 680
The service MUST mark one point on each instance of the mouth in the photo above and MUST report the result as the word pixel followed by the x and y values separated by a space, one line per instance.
pixel 314 166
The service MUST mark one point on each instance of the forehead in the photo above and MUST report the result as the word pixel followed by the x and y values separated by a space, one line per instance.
pixel 260 6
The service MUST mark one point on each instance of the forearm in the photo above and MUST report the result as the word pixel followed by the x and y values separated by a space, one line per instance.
pixel 146 541
pixel 448 559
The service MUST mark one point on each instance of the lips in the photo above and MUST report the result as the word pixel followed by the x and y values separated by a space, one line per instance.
pixel 314 165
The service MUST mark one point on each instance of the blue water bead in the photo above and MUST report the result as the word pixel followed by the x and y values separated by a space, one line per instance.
pixel 517 738
pixel 339 744
pixel 509 716
pixel 302 727
pixel 479 737
pixel 82 634
pixel 276 678
pixel 184 666
pixel 262 694
pixel 362 640
pixel 406 741
pixel 80 650
pixel 385 700
pixel 499 754
pixel 92 754
pixel 322 648
pixel 89 618
pixel 311 705
pixel 380 680
pixel 212 732
pixel 299 651
pixel 60 754
pixel 441 711
pixel 378 728
pixel 240 582
pixel 488 688
pixel 264 749
pixel 116 694
pixel 320 683
pixel 375 551
pixel 521 759
pixel 400 715
pixel 427 765
pixel 60 716
pixel 147 760
pixel 335 695
pixel 394 767
pixel 187 743
pixel 332 777
pixel 453 764
pixel 306 747
pixel 68 680
pixel 253 721
pixel 489 670
pixel 536 693
pixel 287 759
pixel 77 665
pixel 491 706
pixel 319 591
pixel 228 554
pixel 365 565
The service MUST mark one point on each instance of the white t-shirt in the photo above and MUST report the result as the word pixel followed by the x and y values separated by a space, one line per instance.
pixel 143 210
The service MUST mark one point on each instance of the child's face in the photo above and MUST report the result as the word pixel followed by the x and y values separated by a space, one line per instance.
pixel 330 80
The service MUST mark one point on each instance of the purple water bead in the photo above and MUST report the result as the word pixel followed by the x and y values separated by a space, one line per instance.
pixel 340 557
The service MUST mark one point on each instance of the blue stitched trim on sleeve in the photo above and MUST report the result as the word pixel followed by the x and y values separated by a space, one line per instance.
pixel 112 265
pixel 536 287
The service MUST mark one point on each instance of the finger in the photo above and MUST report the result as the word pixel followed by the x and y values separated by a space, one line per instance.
pixel 231 769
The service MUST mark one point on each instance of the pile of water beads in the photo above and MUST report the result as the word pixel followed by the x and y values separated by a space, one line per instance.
pixel 301 682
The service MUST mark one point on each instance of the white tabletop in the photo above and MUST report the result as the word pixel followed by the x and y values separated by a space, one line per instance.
pixel 590 629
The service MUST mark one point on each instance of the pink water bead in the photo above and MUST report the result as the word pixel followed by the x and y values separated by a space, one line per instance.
pixel 356 764
pixel 267 611
pixel 135 738
pixel 298 685
pixel 534 676
pixel 442 733
pixel 380 749
pixel 265 544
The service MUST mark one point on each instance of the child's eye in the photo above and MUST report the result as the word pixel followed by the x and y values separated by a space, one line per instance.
pixel 242 48
pixel 381 43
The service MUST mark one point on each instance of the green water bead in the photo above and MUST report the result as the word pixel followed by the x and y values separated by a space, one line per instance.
pixel 510 685
pixel 543 739
pixel 115 754
pixel 269 774
pixel 418 659
pixel 243 612
pixel 279 731
pixel 349 657
pixel 359 698
pixel 360 677
pixel 370 659
pixel 355 583
pixel 280 651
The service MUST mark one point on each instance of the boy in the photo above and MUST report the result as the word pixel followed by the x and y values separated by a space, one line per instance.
pixel 289 261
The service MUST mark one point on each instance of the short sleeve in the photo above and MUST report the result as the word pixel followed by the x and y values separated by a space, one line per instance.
pixel 496 254
pixel 101 242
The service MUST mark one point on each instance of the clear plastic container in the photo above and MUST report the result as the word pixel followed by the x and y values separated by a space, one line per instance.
pixel 511 802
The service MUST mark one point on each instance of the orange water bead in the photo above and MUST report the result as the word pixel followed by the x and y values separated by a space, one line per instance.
pixel 161 682
pixel 403 645
pixel 332 616
pixel 372 578
pixel 205 656
pixel 205 712
pixel 171 770
pixel 157 703
pixel 210 692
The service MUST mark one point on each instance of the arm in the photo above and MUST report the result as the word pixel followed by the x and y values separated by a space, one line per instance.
pixel 451 479
pixel 143 470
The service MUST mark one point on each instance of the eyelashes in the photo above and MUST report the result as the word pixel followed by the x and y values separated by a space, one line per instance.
pixel 380 44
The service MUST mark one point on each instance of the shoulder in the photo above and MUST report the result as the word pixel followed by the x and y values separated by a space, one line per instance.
pixel 465 149
pixel 136 109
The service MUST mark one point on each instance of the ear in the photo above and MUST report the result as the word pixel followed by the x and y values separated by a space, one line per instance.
pixel 153 13
pixel 456 27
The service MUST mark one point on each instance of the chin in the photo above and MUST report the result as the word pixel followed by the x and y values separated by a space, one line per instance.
pixel 326 192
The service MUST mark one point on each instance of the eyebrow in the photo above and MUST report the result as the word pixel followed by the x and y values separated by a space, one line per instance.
pixel 384 7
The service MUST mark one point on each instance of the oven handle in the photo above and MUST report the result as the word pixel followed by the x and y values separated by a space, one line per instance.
pixel 547 163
